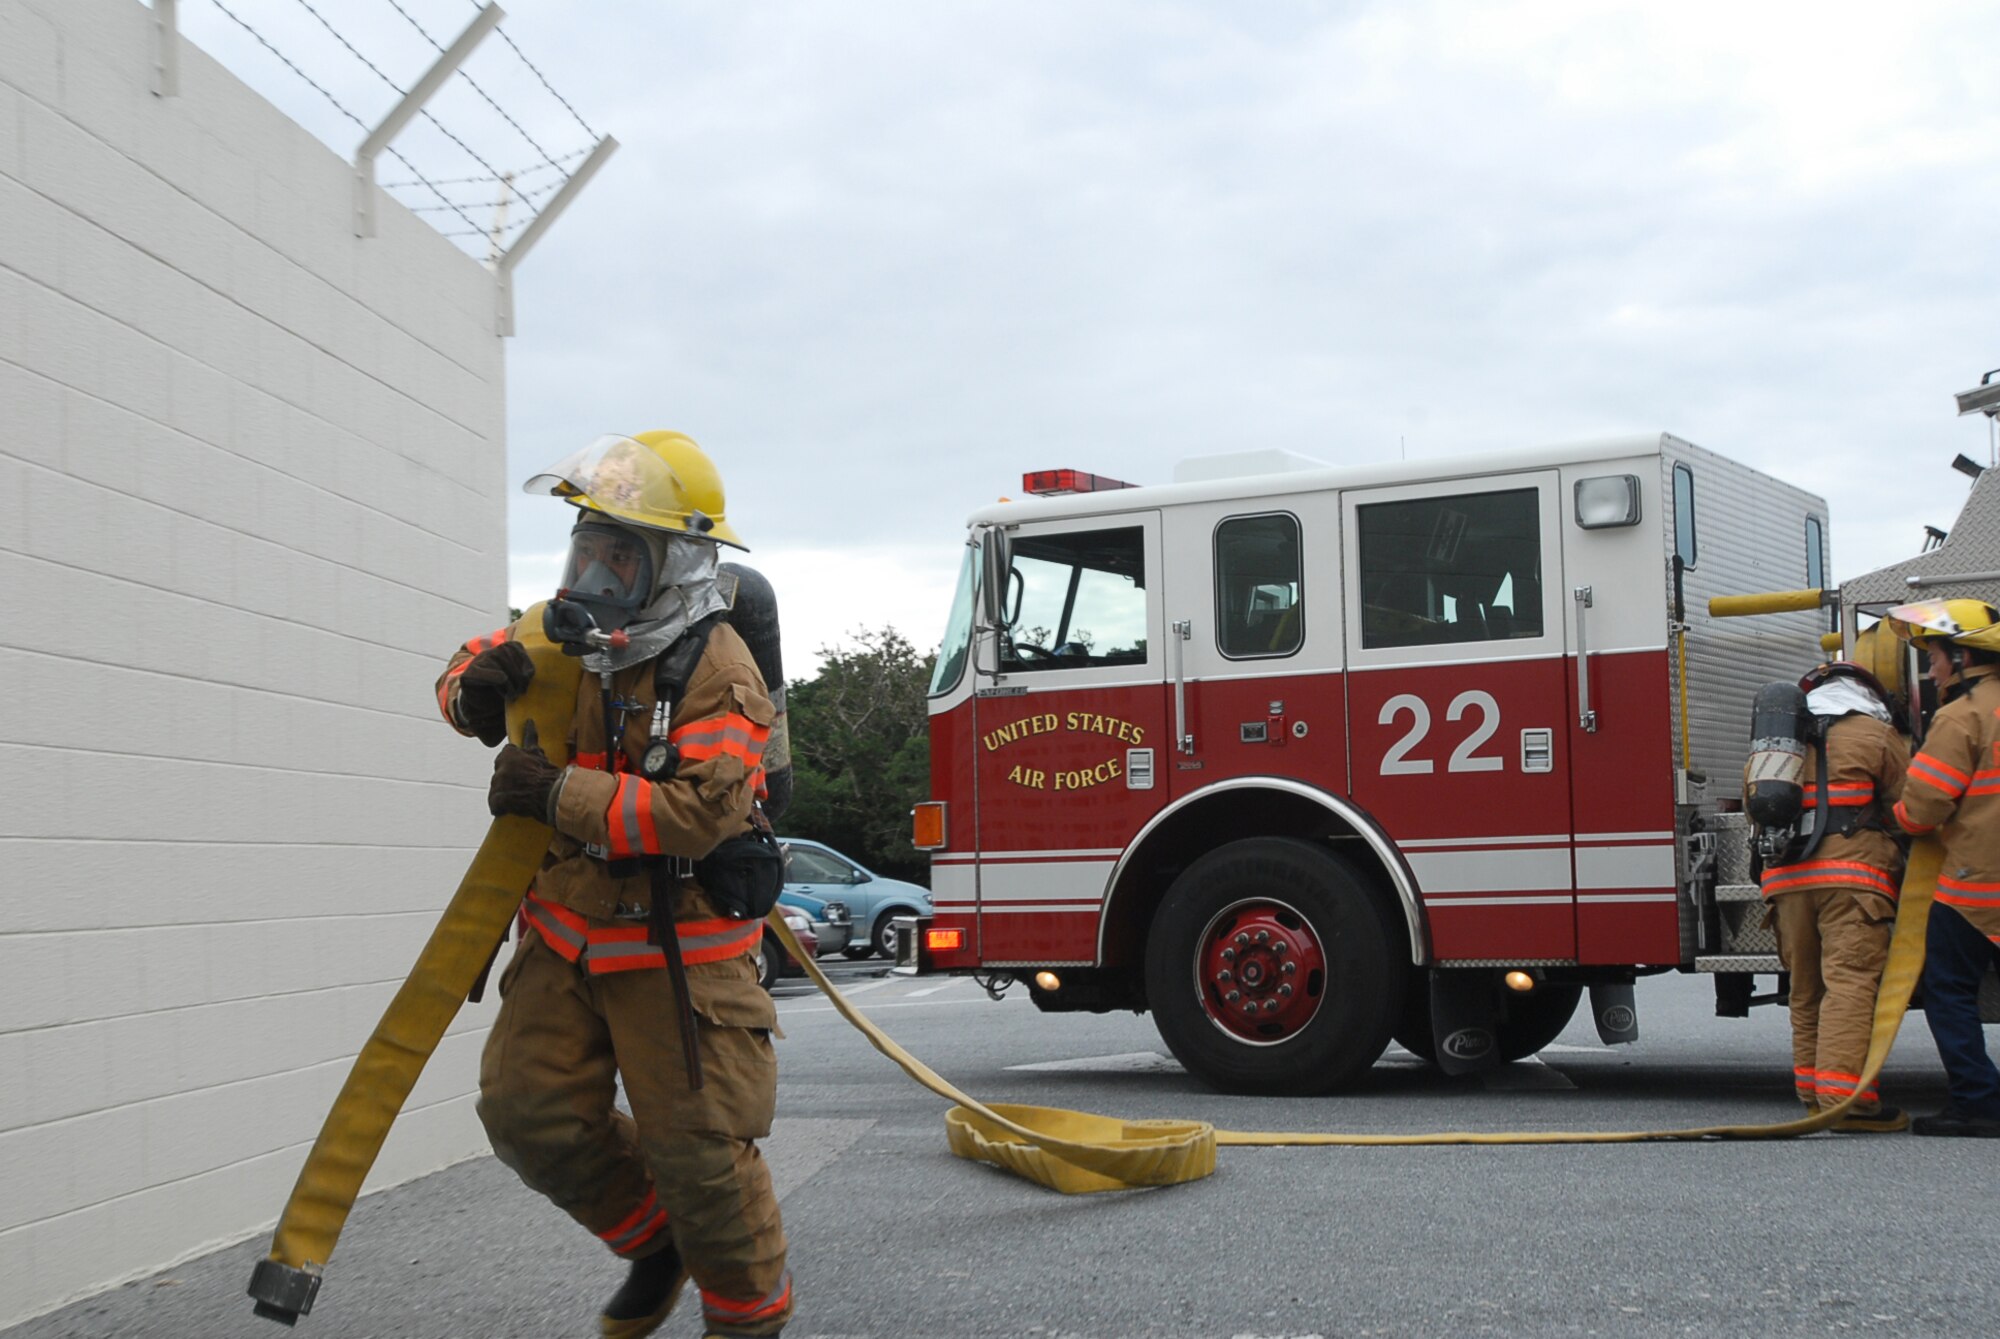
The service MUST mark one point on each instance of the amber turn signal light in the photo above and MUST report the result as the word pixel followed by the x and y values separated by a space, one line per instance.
pixel 927 826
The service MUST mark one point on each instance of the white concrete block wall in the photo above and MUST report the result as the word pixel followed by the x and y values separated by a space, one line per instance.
pixel 251 492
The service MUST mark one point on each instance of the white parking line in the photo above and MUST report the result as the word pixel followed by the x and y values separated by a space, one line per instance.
pixel 897 1004
pixel 929 990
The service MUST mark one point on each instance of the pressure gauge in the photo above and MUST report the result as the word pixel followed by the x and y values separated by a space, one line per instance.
pixel 659 760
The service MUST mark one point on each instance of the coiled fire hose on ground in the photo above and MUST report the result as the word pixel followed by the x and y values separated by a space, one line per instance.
pixel 1074 1152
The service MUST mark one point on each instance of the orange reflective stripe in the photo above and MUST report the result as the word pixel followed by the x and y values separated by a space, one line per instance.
pixel 603 949
pixel 638 1228
pixel 1840 873
pixel 1915 829
pixel 702 944
pixel 729 1311
pixel 1938 776
pixel 1844 793
pixel 733 734
pixel 561 929
pixel 1966 893
pixel 629 819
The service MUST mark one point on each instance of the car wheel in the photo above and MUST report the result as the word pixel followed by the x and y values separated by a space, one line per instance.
pixel 1275 966
pixel 770 962
pixel 859 951
pixel 883 941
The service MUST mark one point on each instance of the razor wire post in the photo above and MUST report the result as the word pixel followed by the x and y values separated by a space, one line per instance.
pixel 503 270
pixel 166 48
pixel 399 116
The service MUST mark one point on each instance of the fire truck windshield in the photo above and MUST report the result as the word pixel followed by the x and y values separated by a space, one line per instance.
pixel 958 629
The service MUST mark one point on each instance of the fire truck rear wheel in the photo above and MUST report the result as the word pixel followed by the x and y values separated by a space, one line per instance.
pixel 1275 966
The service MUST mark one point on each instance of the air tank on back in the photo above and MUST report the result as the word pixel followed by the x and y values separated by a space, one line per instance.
pixel 754 615
pixel 1774 782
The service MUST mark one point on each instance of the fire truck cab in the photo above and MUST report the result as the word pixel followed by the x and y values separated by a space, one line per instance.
pixel 1301 759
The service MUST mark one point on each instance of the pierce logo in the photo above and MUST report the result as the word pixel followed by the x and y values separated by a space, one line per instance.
pixel 1467 1043
pixel 1618 1018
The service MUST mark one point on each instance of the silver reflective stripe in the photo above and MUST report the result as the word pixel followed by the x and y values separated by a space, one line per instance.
pixel 763 1304
pixel 721 939
pixel 649 1224
pixel 622 951
pixel 554 929
pixel 632 786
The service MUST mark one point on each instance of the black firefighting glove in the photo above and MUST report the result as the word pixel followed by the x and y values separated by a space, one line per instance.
pixel 489 681
pixel 524 781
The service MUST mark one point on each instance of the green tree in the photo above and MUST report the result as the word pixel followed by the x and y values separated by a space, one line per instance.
pixel 861 751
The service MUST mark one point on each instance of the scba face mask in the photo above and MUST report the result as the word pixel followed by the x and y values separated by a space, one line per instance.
pixel 609 572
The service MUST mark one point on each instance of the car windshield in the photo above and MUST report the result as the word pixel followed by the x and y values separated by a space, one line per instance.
pixel 958 628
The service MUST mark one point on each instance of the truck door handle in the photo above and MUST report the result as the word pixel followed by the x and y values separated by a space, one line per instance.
pixel 1183 629
pixel 1585 717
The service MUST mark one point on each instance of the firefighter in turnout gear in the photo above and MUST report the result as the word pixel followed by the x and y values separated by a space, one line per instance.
pixel 1834 908
pixel 1954 792
pixel 626 907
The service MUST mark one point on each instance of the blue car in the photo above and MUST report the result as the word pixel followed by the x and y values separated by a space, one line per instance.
pixel 818 870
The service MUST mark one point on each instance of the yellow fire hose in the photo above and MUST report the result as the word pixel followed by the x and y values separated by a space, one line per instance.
pixel 1076 1152
pixel 1071 1151
pixel 473 924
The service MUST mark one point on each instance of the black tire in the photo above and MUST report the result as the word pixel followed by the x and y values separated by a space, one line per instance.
pixel 856 952
pixel 1308 903
pixel 1532 1021
pixel 770 962
pixel 882 939
pixel 1413 1029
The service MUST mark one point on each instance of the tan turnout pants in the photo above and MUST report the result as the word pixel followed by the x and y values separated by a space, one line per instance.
pixel 682 1169
pixel 1834 942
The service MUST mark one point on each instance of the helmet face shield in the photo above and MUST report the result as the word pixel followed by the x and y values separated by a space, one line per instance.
pixel 1955 619
pixel 616 475
pixel 659 480
pixel 609 570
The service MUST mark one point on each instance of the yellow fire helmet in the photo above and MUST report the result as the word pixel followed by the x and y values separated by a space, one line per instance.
pixel 660 480
pixel 1877 651
pixel 1952 619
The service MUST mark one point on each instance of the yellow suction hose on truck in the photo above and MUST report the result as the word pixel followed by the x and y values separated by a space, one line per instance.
pixel 467 934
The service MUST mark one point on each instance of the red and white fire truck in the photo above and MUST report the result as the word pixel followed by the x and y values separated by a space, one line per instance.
pixel 1302 759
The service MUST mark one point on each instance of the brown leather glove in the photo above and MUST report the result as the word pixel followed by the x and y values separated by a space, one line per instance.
pixel 489 681
pixel 524 781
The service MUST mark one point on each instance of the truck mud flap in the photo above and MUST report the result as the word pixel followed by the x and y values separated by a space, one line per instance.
pixel 1465 1021
pixel 1616 1012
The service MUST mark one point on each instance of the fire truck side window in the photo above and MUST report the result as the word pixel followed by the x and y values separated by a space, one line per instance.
pixel 1466 568
pixel 1257 586
pixel 1684 536
pixel 1082 601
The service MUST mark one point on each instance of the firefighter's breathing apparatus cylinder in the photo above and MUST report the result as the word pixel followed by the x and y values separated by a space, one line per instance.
pixel 1783 733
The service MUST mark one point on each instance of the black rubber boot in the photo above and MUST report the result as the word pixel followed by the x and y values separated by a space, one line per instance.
pixel 646 1298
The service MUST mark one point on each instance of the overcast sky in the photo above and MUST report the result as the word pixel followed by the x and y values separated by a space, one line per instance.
pixel 880 258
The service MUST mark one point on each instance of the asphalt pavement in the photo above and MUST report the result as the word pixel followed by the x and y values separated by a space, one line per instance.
pixel 1882 1234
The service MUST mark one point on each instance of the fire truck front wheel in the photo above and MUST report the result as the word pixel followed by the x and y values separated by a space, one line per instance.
pixel 1275 966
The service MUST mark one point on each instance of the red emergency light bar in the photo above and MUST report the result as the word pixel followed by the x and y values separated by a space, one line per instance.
pixel 1049 483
